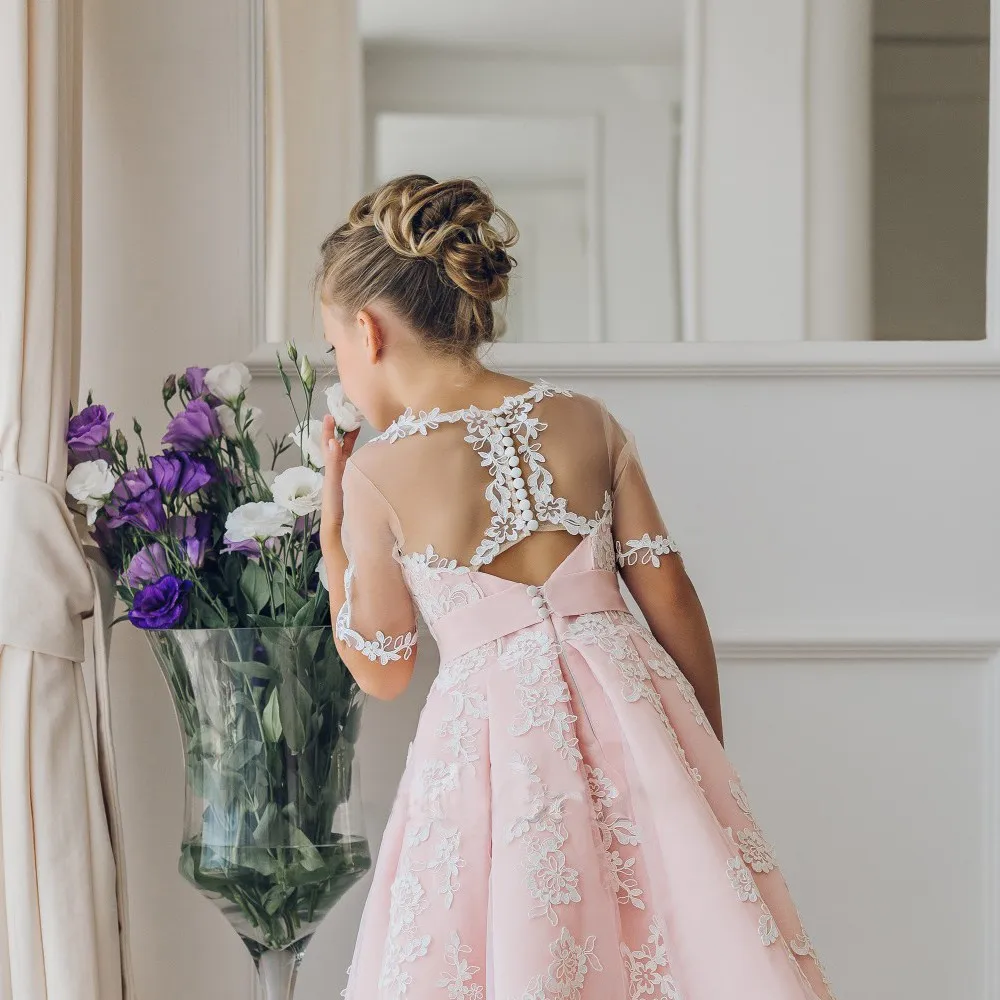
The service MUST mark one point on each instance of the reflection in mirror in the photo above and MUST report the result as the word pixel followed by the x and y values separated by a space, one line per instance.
pixel 931 131
pixel 569 115
pixel 678 169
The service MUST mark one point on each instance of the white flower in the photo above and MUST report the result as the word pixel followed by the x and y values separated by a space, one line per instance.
pixel 90 483
pixel 324 579
pixel 309 437
pixel 345 414
pixel 258 520
pixel 250 417
pixel 228 381
pixel 299 490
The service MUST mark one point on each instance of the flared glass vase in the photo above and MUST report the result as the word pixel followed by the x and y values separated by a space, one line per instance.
pixel 273 832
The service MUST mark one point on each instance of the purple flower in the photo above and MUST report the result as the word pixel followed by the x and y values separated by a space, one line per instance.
pixel 147 565
pixel 194 532
pixel 136 500
pixel 193 426
pixel 195 378
pixel 179 472
pixel 248 547
pixel 89 429
pixel 162 604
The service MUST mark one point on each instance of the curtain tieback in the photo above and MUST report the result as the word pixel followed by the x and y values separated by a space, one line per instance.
pixel 45 586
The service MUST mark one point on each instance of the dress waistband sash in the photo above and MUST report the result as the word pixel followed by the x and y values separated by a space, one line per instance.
pixel 564 596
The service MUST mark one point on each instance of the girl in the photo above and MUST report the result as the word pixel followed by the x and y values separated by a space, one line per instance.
pixel 568 826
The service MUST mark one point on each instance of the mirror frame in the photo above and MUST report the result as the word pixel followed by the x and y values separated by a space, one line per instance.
pixel 689 356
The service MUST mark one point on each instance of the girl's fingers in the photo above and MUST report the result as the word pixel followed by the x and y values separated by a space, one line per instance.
pixel 336 452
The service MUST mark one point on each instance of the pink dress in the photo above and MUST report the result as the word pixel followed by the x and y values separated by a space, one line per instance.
pixel 567 827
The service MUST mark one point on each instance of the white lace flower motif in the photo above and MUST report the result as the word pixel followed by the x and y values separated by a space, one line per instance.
pixel 766 926
pixel 742 881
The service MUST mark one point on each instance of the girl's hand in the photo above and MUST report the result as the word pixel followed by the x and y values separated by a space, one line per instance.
pixel 337 452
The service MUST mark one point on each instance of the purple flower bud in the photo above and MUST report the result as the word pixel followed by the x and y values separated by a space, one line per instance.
pixel 193 426
pixel 195 533
pixel 195 379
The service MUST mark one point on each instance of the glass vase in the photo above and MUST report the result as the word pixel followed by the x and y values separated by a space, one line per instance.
pixel 273 830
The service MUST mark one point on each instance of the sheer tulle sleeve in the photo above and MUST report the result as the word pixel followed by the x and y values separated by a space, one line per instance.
pixel 641 537
pixel 377 617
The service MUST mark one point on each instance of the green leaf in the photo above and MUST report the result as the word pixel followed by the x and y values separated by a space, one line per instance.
pixel 272 718
pixel 264 832
pixel 308 857
pixel 277 897
pixel 240 754
pixel 253 668
pixel 295 707
pixel 207 615
pixel 304 616
pixel 253 584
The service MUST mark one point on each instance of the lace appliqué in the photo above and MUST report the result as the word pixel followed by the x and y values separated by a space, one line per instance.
pixel 446 864
pixel 664 665
pixel 614 828
pixel 757 853
pixel 543 694
pixel 457 729
pixel 438 585
pixel 407 900
pixel 646 551
pixel 504 438
pixel 648 968
pixel 382 649
pixel 802 946
pixel 742 881
pixel 567 973
pixel 409 423
pixel 458 982
pixel 434 780
pixel 541 827
pixel 602 539
pixel 766 926
pixel 611 631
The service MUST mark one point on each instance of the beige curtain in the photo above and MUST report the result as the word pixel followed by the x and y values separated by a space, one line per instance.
pixel 60 899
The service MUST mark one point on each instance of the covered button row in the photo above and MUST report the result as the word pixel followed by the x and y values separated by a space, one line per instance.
pixel 538 602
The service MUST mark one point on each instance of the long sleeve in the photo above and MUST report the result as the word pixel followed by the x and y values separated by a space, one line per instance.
pixel 377 617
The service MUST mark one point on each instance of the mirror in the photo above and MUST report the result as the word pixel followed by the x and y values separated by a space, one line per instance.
pixel 568 112
pixel 931 151
pixel 678 169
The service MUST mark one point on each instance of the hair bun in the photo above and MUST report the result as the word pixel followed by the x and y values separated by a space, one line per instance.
pixel 455 223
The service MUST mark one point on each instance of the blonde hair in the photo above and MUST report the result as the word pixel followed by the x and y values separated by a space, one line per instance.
pixel 434 251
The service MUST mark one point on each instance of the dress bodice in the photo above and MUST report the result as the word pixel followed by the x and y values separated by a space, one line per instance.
pixel 440 586
pixel 439 495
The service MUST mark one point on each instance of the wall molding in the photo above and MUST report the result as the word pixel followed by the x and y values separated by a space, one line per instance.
pixel 861 649
pixel 258 180
pixel 778 359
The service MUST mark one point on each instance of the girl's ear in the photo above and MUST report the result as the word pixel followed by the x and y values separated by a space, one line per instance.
pixel 373 334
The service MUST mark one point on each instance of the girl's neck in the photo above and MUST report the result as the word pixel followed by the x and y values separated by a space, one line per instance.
pixel 452 384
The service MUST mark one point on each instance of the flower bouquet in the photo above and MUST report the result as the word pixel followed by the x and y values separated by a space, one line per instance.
pixel 216 556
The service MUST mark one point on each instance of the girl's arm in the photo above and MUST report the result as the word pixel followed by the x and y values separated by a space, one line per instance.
pixel 374 623
pixel 655 575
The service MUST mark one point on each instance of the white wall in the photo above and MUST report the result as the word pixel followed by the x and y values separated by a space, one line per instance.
pixel 842 532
